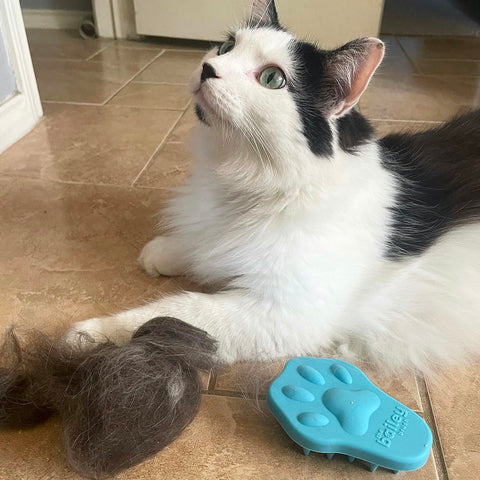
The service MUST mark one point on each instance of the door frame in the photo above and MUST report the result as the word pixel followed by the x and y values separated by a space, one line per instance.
pixel 114 18
pixel 20 112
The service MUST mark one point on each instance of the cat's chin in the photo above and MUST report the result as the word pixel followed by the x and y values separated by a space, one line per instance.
pixel 202 100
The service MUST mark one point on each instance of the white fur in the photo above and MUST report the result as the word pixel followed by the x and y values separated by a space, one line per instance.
pixel 297 241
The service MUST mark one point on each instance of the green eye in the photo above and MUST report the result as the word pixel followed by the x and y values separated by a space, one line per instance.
pixel 272 77
pixel 226 47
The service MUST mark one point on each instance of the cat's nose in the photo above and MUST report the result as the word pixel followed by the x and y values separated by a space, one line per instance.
pixel 208 72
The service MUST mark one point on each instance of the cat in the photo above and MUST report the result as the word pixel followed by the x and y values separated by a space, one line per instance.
pixel 321 237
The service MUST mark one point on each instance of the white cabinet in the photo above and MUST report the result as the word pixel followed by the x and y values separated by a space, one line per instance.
pixel 329 22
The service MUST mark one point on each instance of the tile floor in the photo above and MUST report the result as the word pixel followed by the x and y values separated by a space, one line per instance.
pixel 77 202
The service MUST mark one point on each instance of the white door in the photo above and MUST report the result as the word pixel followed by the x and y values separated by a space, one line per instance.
pixel 329 22
pixel 20 107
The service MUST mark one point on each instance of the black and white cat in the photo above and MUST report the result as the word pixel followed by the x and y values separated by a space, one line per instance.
pixel 321 236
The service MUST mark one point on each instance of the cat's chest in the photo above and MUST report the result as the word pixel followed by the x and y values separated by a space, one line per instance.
pixel 308 247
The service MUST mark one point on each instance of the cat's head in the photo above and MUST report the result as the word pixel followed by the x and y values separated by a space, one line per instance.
pixel 266 86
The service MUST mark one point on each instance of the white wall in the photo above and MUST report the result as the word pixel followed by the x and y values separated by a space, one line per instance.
pixel 7 75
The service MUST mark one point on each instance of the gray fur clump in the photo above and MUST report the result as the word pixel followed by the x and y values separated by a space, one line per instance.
pixel 119 404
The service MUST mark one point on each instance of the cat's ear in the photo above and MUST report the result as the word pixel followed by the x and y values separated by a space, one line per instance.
pixel 349 70
pixel 264 13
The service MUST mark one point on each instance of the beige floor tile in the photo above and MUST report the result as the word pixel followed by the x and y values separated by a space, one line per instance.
pixel 62 44
pixel 171 67
pixel 248 378
pixel 184 128
pixel 441 47
pixel 396 64
pixel 169 167
pixel 384 127
pixel 153 95
pixel 418 97
pixel 79 81
pixel 34 454
pixel 434 66
pixel 89 144
pixel 395 60
pixel 228 440
pixel 69 251
pixel 117 55
pixel 455 400
pixel 253 379
pixel 392 47
pixel 205 378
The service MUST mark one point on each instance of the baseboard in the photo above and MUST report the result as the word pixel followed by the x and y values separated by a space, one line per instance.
pixel 54 19
pixel 16 120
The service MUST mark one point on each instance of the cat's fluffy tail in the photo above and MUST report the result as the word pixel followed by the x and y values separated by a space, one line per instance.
pixel 119 405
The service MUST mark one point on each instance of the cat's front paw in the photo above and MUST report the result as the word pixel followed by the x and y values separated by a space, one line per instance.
pixel 88 332
pixel 160 256
pixel 97 330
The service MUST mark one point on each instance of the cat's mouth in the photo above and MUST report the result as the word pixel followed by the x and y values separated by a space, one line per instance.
pixel 203 99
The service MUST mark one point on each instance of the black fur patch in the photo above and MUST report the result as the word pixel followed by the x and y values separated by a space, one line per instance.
pixel 354 130
pixel 200 114
pixel 307 90
pixel 439 175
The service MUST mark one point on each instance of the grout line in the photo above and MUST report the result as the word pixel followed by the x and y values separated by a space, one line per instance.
pixel 96 53
pixel 429 416
pixel 158 148
pixel 148 49
pixel 58 59
pixel 168 109
pixel 427 75
pixel 404 121
pixel 143 107
pixel 211 382
pixel 64 102
pixel 73 182
pixel 442 451
pixel 115 105
pixel 234 394
pixel 160 47
pixel 145 187
pixel 435 59
pixel 149 82
pixel 187 50
pixel 136 74
pixel 414 65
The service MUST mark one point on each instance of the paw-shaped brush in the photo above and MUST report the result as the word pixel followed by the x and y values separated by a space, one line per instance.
pixel 331 406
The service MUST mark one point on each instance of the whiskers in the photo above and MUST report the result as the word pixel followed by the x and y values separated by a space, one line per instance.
pixel 244 127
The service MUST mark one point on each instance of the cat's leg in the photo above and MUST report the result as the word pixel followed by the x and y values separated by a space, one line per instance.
pixel 162 256
pixel 245 328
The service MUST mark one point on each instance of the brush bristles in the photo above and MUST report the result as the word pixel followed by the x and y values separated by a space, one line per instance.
pixel 119 405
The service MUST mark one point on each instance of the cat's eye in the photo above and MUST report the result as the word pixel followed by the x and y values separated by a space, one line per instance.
pixel 272 77
pixel 226 47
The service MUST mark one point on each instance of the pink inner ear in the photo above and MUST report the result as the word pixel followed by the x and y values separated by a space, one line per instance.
pixel 363 74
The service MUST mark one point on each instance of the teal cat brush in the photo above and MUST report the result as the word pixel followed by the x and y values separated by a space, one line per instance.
pixel 331 406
